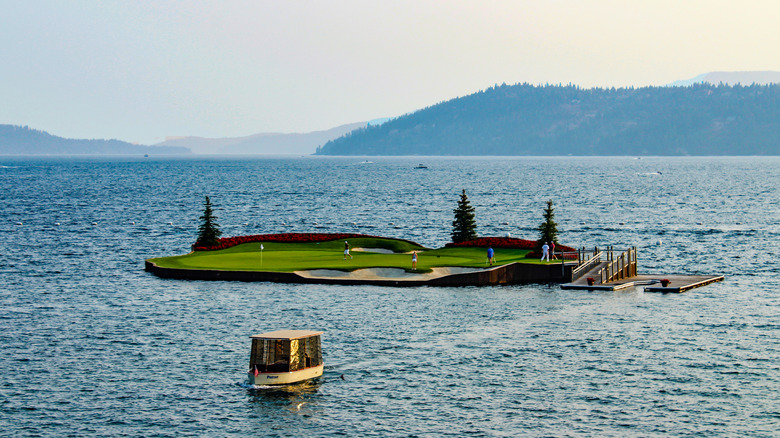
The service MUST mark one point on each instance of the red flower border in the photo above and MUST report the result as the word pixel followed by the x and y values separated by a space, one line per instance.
pixel 495 242
pixel 227 242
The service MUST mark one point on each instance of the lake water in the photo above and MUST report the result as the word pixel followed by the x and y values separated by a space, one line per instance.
pixel 93 345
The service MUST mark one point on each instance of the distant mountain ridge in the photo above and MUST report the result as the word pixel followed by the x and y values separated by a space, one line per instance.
pixel 732 78
pixel 264 143
pixel 523 119
pixel 23 140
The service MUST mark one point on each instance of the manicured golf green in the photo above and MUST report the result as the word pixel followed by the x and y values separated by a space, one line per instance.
pixel 288 257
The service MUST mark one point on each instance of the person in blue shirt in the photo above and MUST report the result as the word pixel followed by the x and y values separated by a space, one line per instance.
pixel 490 255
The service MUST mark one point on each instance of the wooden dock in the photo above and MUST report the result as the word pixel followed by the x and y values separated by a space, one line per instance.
pixel 604 271
pixel 652 283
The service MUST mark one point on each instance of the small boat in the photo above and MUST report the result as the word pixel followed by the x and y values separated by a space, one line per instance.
pixel 285 356
pixel 421 166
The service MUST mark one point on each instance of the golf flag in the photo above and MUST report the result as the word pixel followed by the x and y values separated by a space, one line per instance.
pixel 261 247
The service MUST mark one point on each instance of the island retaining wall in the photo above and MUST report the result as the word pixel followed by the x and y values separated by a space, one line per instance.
pixel 513 273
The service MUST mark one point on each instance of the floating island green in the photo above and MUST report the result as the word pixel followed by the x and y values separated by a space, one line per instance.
pixel 320 258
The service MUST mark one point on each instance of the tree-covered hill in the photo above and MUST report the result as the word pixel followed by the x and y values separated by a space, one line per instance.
pixel 701 119
pixel 22 140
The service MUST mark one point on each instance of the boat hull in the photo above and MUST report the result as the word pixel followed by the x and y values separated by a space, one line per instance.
pixel 285 378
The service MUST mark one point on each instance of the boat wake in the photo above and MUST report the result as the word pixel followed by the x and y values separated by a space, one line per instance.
pixel 251 387
pixel 246 385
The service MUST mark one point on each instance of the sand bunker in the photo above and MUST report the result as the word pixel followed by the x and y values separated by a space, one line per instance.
pixel 391 274
pixel 376 250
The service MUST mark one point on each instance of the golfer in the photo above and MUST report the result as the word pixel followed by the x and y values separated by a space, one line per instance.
pixel 545 251
pixel 346 250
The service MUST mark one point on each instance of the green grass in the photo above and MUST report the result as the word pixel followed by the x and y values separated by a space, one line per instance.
pixel 288 257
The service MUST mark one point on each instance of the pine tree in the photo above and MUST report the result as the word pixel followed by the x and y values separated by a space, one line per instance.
pixel 548 230
pixel 464 227
pixel 209 229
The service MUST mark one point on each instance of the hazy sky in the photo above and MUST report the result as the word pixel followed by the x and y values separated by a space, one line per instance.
pixel 141 70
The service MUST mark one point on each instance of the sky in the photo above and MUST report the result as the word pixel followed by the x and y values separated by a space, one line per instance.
pixel 143 70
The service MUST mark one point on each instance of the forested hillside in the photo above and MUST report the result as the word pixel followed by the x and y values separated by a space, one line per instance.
pixel 22 140
pixel 701 119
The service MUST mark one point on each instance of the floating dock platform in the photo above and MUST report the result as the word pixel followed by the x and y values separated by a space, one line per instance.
pixel 606 271
pixel 652 283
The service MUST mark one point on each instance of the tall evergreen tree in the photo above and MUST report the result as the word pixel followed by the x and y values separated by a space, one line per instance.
pixel 464 227
pixel 208 231
pixel 548 230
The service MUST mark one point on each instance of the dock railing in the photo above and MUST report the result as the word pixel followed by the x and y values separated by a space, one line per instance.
pixel 585 263
pixel 620 267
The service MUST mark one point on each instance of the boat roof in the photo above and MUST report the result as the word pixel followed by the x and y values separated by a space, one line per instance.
pixel 287 334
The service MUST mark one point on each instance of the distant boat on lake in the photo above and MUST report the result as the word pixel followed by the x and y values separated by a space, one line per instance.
pixel 421 166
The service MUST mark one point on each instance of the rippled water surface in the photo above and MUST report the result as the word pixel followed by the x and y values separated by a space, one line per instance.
pixel 93 345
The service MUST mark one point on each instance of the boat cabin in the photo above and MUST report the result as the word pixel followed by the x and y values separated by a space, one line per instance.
pixel 285 356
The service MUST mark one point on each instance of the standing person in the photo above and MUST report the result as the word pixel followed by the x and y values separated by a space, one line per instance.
pixel 346 250
pixel 490 255
pixel 414 260
pixel 545 251
pixel 552 250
